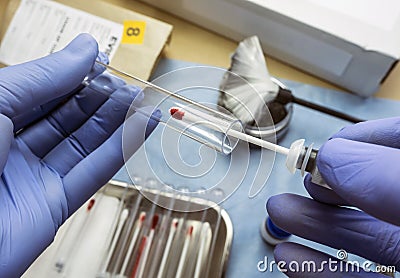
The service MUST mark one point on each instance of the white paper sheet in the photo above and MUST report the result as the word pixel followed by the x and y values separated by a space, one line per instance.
pixel 41 27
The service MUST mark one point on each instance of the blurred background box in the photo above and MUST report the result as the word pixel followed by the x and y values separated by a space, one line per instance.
pixel 352 44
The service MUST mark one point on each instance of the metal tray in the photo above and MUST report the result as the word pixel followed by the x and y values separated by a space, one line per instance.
pixel 90 244
pixel 202 211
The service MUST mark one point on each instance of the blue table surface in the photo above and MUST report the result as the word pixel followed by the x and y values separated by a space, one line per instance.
pixel 247 214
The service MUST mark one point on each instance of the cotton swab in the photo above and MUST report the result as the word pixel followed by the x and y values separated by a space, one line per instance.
pixel 144 250
pixel 174 226
pixel 297 156
pixel 205 235
pixel 184 253
pixel 117 233
pixel 67 246
pixel 132 243
pixel 190 118
pixel 130 222
pixel 163 234
pixel 198 237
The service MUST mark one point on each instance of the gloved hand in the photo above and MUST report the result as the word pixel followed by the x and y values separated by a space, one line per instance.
pixel 361 164
pixel 52 166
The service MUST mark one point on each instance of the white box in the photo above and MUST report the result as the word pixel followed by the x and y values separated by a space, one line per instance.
pixel 351 43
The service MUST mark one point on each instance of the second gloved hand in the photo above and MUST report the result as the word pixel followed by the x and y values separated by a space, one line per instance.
pixel 361 165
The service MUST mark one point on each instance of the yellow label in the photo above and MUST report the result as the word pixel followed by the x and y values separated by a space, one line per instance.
pixel 133 32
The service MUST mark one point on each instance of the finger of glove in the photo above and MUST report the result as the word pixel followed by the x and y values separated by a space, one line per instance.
pixel 97 168
pixel 364 175
pixel 7 135
pixel 28 85
pixel 323 194
pixel 44 135
pixel 98 69
pixel 299 261
pixel 95 131
pixel 337 227
pixel 384 132
pixel 40 111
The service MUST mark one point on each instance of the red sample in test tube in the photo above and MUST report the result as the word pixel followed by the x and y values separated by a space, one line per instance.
pixel 91 204
pixel 176 113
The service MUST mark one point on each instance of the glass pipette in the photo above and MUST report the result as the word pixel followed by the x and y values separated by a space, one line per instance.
pixel 162 99
pixel 204 124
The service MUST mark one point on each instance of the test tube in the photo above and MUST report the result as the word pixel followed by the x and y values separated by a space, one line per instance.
pixel 185 251
pixel 199 236
pixel 167 249
pixel 124 237
pixel 74 234
pixel 164 237
pixel 132 244
pixel 175 252
pixel 204 242
pixel 145 240
pixel 121 221
pixel 217 194
pixel 211 127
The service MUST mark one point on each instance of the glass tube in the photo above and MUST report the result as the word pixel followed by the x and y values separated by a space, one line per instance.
pixel 210 126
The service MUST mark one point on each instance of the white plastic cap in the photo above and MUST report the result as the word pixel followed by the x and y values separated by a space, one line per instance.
pixel 294 154
pixel 268 238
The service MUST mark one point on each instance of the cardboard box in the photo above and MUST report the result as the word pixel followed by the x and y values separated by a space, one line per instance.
pixel 353 44
pixel 137 57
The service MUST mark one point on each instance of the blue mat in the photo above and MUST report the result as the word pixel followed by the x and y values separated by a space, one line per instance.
pixel 247 214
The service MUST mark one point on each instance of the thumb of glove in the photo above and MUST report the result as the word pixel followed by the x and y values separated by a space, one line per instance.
pixel 6 136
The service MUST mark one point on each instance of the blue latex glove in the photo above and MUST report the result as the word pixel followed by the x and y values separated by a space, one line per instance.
pixel 361 164
pixel 51 167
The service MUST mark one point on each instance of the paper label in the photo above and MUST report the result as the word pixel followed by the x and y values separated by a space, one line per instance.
pixel 133 32
pixel 41 27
